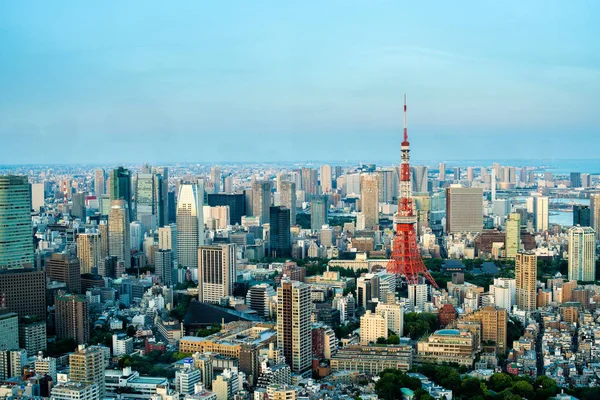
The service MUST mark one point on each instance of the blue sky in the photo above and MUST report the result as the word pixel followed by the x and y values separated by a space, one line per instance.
pixel 297 80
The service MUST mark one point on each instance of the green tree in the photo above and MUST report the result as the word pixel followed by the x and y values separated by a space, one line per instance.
pixel 131 331
pixel 523 389
pixel 393 339
pixel 381 340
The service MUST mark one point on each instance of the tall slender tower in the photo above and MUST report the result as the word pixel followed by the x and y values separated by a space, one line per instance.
pixel 406 259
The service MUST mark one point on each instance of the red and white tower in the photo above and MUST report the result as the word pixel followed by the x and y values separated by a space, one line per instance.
pixel 406 259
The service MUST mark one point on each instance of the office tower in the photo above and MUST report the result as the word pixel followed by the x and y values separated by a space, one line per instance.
pixel 163 265
pixel 259 298
pixel 235 202
pixel 249 202
pixel 9 326
pixel 512 241
pixel 575 180
pixel 215 178
pixel 72 317
pixel 501 207
pixel 287 198
pixel 78 206
pixel 457 174
pixel 281 237
pixel 145 199
pixel 217 272
pixel 162 196
pixel 99 182
pixel 372 327
pixel 582 215
pixel 228 184
pixel 417 297
pixel 388 187
pixel 38 196
pixel 294 325
pixel 540 213
pixel 190 225
pixel 118 232
pixel 167 238
pixel 595 213
pixel 526 279
pixel 309 182
pixel 87 366
pixel 326 181
pixel 470 175
pixel 120 189
pixel 419 178
pixel 109 267
pixel 104 238
pixel 318 213
pixel 464 209
pixel 136 236
pixel 261 200
pixel 24 291
pixel 171 208
pixel 586 180
pixel 442 174
pixel 64 267
pixel 369 200
pixel 89 252
pixel 16 231
pixel 582 257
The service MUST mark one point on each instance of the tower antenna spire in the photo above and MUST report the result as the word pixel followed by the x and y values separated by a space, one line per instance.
pixel 405 123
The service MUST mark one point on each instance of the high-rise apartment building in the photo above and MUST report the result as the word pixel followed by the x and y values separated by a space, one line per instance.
pixel 78 206
pixel 464 209
pixel 87 366
pixel 442 174
pixel 64 267
pixel 99 182
pixel 261 200
pixel 118 232
pixel 190 224
pixel 457 174
pixel 419 178
pixel 72 317
pixel 394 312
pixel 280 234
pixel 575 179
pixel 372 327
pixel 215 178
pixel 120 188
pixel 24 291
pixel 540 213
pixel 38 196
pixel 526 280
pixel 287 198
pixel 309 182
pixel 294 325
pixel 369 200
pixel 493 325
pixel 318 213
pixel 512 242
pixel 595 213
pixel 417 297
pixel 326 181
pixel 16 231
pixel 89 252
pixel 216 273
pixel 582 256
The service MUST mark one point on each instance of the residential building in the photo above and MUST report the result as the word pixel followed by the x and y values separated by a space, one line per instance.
pixel 294 325
pixel 582 256
pixel 217 272
pixel 526 280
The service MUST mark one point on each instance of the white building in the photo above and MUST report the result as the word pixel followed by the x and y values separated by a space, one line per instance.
pixel 372 327
pixel 417 297
pixel 75 391
pixel 395 316
pixel 582 258
pixel 122 344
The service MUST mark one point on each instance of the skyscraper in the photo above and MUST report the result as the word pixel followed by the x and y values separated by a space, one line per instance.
pixel 287 198
pixel 261 200
pixel 526 279
pixel 326 181
pixel 582 257
pixel 64 267
pixel 24 290
pixel 457 174
pixel 442 175
pixel 470 175
pixel 87 365
pixel 190 225
pixel 38 196
pixel 512 241
pixel 281 237
pixel 235 202
pixel 120 188
pixel 78 206
pixel 215 178
pixel 145 199
pixel 595 213
pixel 419 178
pixel 163 265
pixel 217 272
pixel 99 182
pixel 72 317
pixel 118 232
pixel 575 180
pixel 89 252
pixel 309 182
pixel 582 215
pixel 16 232
pixel 540 213
pixel 464 209
pixel 318 213
pixel 369 200
pixel 162 196
pixel 294 325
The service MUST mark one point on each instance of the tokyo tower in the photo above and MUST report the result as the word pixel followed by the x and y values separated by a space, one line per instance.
pixel 406 259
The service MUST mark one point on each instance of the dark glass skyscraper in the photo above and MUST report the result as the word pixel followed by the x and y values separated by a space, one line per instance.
pixel 236 203
pixel 582 215
pixel 281 237
pixel 120 188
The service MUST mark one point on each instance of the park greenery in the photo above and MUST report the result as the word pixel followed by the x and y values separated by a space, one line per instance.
pixel 417 325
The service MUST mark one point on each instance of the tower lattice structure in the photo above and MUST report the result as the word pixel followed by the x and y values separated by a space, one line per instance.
pixel 406 259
